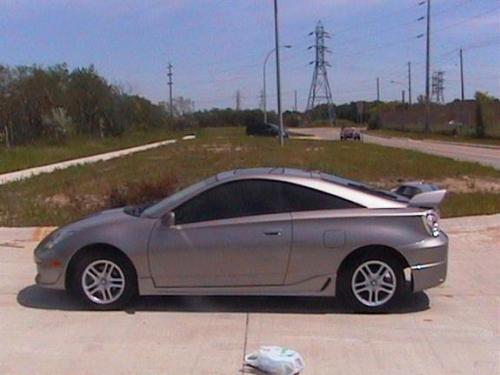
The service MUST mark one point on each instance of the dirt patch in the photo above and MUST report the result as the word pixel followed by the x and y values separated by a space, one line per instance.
pixel 222 148
pixel 58 200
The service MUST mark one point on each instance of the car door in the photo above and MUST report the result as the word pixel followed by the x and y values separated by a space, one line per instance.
pixel 319 231
pixel 234 234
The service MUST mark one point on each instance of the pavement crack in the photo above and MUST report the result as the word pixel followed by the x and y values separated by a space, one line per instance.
pixel 247 319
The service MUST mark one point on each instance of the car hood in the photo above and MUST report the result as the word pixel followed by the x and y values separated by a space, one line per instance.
pixel 100 218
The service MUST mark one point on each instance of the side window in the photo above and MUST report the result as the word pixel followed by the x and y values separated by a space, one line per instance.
pixel 230 200
pixel 299 198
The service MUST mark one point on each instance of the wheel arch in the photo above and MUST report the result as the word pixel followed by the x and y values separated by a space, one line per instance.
pixel 96 247
pixel 349 258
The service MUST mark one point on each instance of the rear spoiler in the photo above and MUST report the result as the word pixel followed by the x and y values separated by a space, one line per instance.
pixel 431 199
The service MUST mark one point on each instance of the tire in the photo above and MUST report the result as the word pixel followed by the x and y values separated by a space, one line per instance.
pixel 363 291
pixel 104 280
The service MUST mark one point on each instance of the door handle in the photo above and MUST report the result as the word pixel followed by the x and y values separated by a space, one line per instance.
pixel 273 232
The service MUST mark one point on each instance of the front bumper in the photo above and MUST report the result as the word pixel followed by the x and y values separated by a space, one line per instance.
pixel 428 260
pixel 50 271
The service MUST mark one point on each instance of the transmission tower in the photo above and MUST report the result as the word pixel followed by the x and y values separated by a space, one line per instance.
pixel 320 91
pixel 170 83
pixel 438 86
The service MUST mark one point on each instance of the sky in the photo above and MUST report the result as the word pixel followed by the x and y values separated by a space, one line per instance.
pixel 218 46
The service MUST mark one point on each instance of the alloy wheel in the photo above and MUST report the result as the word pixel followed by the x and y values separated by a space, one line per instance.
pixel 374 283
pixel 103 282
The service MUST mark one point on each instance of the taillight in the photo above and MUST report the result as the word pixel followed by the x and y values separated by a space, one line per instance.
pixel 431 223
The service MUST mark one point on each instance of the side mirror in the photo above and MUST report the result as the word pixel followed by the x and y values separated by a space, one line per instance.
pixel 168 219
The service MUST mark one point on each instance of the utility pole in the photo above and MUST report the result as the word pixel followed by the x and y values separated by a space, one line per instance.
pixel 238 100
pixel 403 96
pixel 320 87
pixel 170 83
pixel 378 89
pixel 428 71
pixel 409 82
pixel 462 73
pixel 278 74
pixel 295 100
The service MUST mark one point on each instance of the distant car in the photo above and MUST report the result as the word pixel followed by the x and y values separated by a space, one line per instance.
pixel 412 188
pixel 350 133
pixel 263 129
pixel 263 231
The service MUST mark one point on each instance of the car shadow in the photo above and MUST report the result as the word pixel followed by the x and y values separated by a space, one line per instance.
pixel 39 298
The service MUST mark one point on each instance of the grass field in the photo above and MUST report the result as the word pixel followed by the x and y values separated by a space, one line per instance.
pixel 435 136
pixel 35 155
pixel 63 196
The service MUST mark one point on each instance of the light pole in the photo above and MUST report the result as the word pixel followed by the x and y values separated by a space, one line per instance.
pixel 264 79
pixel 278 74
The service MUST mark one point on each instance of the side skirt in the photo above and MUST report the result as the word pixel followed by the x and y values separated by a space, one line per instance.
pixel 318 286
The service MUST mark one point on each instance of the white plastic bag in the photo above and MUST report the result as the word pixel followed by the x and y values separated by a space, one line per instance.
pixel 275 360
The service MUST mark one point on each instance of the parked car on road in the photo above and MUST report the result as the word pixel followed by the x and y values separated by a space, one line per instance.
pixel 264 231
pixel 412 188
pixel 350 133
pixel 263 129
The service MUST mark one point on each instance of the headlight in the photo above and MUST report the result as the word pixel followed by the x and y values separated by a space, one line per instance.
pixel 54 238
pixel 431 223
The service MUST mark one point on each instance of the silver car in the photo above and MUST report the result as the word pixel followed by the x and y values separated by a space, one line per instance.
pixel 265 231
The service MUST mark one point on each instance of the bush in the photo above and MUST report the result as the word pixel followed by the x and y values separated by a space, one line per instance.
pixel 483 117
pixel 142 192
pixel 57 125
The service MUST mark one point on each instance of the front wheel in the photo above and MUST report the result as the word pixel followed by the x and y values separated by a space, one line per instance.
pixel 373 283
pixel 104 282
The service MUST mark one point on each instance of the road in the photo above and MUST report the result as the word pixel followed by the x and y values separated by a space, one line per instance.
pixel 489 156
pixel 26 173
pixel 452 329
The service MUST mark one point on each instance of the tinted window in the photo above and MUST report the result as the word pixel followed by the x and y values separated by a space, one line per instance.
pixel 233 199
pixel 299 198
pixel 407 191
pixel 255 197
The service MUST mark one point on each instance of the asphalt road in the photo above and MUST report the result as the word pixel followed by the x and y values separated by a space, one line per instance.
pixel 452 329
pixel 489 156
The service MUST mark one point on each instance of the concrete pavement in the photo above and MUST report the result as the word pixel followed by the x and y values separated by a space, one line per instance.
pixel 452 329
pixel 489 156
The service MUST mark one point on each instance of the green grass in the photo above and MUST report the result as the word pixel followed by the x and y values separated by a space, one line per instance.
pixel 435 136
pixel 23 157
pixel 62 196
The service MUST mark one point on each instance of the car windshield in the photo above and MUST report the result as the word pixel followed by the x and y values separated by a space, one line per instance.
pixel 159 207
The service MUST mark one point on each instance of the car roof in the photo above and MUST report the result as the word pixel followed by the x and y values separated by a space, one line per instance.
pixel 249 172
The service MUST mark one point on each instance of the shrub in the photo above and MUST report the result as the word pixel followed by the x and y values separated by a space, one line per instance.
pixel 141 192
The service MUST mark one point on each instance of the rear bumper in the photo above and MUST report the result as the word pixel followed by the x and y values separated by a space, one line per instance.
pixel 429 275
pixel 428 261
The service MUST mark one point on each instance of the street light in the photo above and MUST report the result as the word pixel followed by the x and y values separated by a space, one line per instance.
pixel 278 75
pixel 264 79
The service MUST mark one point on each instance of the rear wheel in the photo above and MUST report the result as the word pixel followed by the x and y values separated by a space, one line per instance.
pixel 104 281
pixel 372 283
